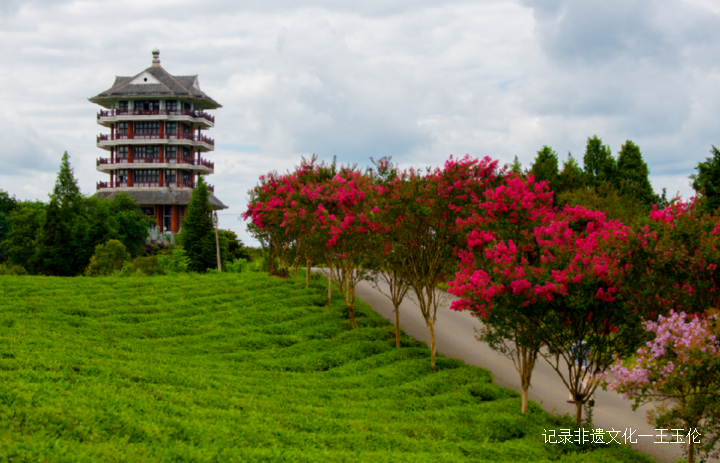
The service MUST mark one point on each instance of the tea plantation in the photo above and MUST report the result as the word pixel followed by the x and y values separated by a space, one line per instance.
pixel 241 367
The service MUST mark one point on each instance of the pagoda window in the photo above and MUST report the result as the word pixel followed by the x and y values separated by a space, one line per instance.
pixel 122 128
pixel 171 151
pixel 147 105
pixel 186 129
pixel 147 127
pixel 186 106
pixel 122 151
pixel 122 176
pixel 171 128
pixel 170 175
pixel 145 151
pixel 186 153
pixel 123 105
pixel 148 210
pixel 186 176
pixel 167 218
pixel 145 176
pixel 171 105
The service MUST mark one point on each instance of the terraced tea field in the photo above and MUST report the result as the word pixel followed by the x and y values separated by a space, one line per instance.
pixel 240 367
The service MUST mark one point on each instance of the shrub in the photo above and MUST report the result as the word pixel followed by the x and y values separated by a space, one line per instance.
pixel 13 270
pixel 149 265
pixel 108 259
pixel 238 266
pixel 176 261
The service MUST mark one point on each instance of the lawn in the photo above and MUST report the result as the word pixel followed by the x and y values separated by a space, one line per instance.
pixel 241 367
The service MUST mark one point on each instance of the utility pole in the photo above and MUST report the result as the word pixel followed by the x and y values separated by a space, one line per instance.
pixel 217 240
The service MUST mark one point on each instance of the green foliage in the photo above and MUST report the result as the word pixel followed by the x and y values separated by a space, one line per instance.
pixel 571 177
pixel 707 181
pixel 198 233
pixel 176 261
pixel 240 367
pixel 129 224
pixel 516 166
pixel 7 203
pixel 607 199
pixel 108 259
pixel 147 265
pixel 599 163
pixel 238 266
pixel 13 270
pixel 20 245
pixel 545 167
pixel 632 175
pixel 232 247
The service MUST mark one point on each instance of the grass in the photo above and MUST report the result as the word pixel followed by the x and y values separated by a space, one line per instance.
pixel 241 367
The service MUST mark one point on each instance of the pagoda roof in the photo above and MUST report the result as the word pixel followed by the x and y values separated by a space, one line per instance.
pixel 156 83
pixel 164 197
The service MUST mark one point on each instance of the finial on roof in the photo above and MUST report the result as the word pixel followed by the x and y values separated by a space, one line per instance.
pixel 156 58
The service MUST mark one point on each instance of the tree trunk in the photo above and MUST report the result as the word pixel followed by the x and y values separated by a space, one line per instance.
pixel 524 398
pixel 578 410
pixel 329 286
pixel 350 301
pixel 397 326
pixel 307 276
pixel 432 343
pixel 691 451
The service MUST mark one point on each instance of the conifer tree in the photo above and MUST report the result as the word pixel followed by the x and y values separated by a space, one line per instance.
pixel 632 174
pixel 571 177
pixel 198 235
pixel 63 236
pixel 600 165
pixel 545 167
pixel 707 180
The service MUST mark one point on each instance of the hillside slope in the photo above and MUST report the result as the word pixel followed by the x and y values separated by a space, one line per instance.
pixel 241 367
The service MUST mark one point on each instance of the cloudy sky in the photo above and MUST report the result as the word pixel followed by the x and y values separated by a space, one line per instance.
pixel 418 80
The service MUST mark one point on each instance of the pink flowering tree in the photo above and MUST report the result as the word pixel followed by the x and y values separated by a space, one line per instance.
pixel 339 226
pixel 680 368
pixel 509 213
pixel 425 210
pixel 266 212
pixel 569 288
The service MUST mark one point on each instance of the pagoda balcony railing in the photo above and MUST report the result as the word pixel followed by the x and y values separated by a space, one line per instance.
pixel 157 160
pixel 172 184
pixel 156 112
pixel 156 136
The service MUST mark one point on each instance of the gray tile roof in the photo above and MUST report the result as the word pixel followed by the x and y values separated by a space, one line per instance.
pixel 166 196
pixel 169 86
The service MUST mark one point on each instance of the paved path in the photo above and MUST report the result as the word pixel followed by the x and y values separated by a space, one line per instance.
pixel 455 337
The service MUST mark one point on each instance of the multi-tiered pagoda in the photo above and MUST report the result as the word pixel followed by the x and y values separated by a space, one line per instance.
pixel 156 142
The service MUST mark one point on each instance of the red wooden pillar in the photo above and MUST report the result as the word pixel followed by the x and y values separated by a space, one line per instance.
pixel 112 179
pixel 130 154
pixel 130 177
pixel 159 217
pixel 162 153
pixel 131 129
pixel 174 219
pixel 161 178
pixel 162 130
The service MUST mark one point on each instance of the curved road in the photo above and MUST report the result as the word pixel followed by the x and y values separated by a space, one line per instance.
pixel 455 337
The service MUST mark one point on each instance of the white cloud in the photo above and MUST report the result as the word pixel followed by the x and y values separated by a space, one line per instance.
pixel 418 80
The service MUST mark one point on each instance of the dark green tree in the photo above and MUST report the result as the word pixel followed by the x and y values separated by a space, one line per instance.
pixel 131 226
pixel 198 234
pixel 20 245
pixel 632 175
pixel 545 167
pixel 571 177
pixel 599 163
pixel 516 166
pixel 7 203
pixel 707 180
pixel 234 247
pixel 63 239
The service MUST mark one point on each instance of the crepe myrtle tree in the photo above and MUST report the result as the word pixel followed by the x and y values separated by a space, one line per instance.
pixel 343 224
pixel 572 293
pixel 426 208
pixel 510 214
pixel 680 369
pixel 387 263
pixel 266 212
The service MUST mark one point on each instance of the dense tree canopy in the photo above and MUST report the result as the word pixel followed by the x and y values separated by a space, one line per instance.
pixel 198 232
pixel 707 180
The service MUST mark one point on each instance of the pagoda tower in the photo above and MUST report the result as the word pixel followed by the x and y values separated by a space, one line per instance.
pixel 156 142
